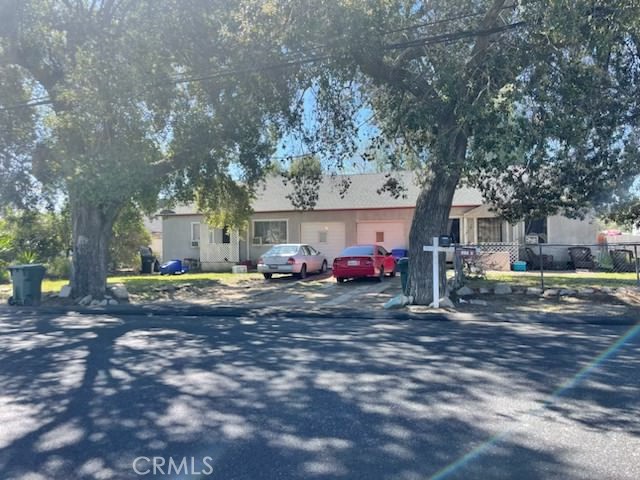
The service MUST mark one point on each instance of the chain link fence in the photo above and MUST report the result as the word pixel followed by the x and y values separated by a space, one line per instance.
pixel 551 265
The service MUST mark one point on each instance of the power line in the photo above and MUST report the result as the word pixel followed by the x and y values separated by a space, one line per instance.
pixel 423 41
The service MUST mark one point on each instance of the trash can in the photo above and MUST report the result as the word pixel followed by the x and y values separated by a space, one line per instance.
pixel 27 284
pixel 147 260
pixel 403 268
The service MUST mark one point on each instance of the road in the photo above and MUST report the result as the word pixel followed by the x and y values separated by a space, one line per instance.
pixel 271 397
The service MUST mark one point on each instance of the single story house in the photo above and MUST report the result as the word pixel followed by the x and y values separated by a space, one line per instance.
pixel 361 215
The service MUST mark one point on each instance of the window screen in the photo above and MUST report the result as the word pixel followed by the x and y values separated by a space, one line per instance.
pixel 489 230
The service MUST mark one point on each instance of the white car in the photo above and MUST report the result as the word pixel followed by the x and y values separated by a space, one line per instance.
pixel 292 258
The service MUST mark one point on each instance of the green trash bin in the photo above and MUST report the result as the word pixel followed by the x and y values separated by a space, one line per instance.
pixel 27 284
pixel 402 266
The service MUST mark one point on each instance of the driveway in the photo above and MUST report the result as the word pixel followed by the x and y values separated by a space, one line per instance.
pixel 316 291
pixel 85 397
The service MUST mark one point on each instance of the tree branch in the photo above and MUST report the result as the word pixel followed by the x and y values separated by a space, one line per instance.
pixel 482 41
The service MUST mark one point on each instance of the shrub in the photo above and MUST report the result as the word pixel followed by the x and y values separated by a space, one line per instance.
pixel 59 267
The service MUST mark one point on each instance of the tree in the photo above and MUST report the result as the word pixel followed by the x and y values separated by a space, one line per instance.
pixel 535 102
pixel 129 234
pixel 108 102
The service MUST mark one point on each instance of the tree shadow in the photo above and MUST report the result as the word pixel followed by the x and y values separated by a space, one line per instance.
pixel 274 397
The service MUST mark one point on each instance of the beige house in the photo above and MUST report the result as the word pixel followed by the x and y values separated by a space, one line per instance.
pixel 361 215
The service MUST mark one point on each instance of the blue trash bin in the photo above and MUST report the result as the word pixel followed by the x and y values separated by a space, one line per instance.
pixel 172 267
pixel 399 253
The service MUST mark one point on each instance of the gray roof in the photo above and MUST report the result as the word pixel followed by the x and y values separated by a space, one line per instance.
pixel 362 194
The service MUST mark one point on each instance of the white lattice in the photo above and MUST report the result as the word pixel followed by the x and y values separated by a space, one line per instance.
pixel 220 252
pixel 512 248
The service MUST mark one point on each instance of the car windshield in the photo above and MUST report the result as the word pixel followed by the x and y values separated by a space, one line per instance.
pixel 359 250
pixel 282 250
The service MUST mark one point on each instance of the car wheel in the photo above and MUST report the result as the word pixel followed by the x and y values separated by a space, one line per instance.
pixel 381 275
pixel 267 276
pixel 323 268
pixel 303 271
pixel 393 273
pixel 11 301
pixel 339 279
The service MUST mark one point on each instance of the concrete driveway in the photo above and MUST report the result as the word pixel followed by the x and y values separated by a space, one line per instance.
pixel 84 397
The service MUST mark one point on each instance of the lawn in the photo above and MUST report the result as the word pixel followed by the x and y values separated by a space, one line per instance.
pixel 570 280
pixel 144 284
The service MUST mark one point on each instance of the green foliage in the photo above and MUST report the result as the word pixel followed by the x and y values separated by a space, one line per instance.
pixel 29 235
pixel 59 267
pixel 625 213
pixel 305 175
pixel 534 102
pixel 26 257
pixel 129 234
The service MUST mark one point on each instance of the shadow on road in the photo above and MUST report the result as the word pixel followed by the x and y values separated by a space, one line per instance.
pixel 81 397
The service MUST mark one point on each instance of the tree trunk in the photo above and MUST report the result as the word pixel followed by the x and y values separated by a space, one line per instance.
pixel 431 218
pixel 92 230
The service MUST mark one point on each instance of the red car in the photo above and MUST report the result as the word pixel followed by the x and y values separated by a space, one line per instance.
pixel 363 261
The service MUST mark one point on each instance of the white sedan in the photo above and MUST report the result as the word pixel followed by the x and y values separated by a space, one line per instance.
pixel 292 258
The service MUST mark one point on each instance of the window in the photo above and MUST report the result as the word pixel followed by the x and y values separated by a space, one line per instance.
pixel 282 250
pixel 305 251
pixel 195 234
pixel 226 236
pixel 382 252
pixel 212 237
pixel 536 226
pixel 312 251
pixel 379 237
pixel 489 230
pixel 269 232
pixel 454 230
pixel 322 236
pixel 359 250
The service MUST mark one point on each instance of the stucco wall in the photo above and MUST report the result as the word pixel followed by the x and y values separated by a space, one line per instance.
pixel 176 241
pixel 349 217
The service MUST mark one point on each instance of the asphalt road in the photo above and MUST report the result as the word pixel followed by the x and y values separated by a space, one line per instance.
pixel 271 397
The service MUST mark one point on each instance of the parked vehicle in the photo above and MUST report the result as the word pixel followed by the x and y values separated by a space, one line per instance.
pixel 292 258
pixel 363 261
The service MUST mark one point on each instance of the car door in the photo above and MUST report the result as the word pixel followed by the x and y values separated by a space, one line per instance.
pixel 386 260
pixel 308 258
pixel 315 257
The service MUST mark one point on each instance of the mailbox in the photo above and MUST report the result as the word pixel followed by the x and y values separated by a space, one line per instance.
pixel 444 241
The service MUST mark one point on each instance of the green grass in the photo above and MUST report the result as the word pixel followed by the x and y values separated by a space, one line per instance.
pixel 570 280
pixel 144 284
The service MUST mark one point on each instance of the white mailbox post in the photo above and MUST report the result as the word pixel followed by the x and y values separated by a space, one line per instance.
pixel 436 249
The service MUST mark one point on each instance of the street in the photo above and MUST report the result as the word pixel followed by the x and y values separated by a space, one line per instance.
pixel 273 397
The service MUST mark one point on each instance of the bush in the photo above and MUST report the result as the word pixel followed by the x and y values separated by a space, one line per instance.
pixel 59 267
pixel 4 273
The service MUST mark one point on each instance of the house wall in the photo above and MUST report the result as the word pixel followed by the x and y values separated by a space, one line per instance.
pixel 349 217
pixel 176 233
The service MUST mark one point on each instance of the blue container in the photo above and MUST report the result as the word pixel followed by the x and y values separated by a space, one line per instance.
pixel 519 266
pixel 398 253
pixel 171 267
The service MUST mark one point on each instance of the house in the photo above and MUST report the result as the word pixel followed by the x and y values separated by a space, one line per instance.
pixel 361 215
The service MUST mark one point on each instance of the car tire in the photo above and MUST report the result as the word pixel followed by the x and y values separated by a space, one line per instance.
pixel 381 274
pixel 267 276
pixel 323 268
pixel 303 272
pixel 11 301
pixel 393 273
pixel 339 279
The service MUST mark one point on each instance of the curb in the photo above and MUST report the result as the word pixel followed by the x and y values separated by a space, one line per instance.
pixel 149 310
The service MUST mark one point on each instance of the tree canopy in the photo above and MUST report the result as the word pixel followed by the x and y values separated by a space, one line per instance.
pixel 112 102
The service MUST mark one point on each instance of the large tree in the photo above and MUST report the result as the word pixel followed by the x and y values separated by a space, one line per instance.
pixel 108 102
pixel 533 101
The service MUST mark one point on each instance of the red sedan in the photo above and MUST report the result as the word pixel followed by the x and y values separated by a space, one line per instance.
pixel 363 261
